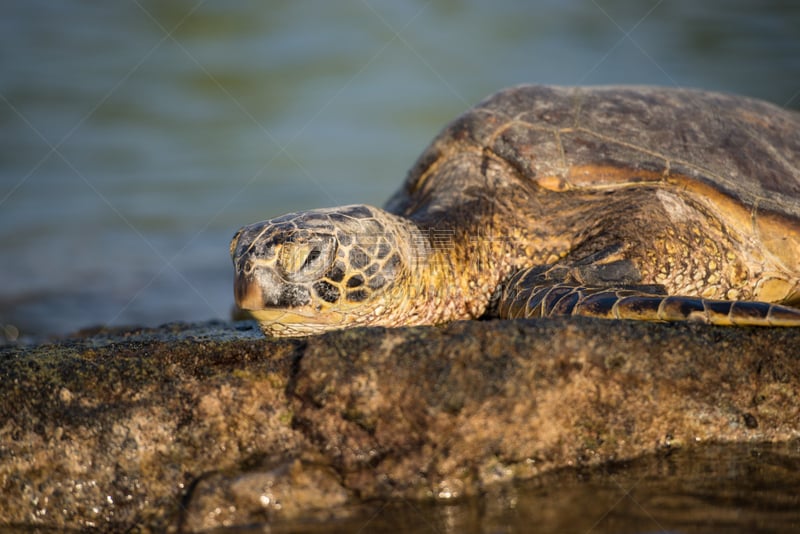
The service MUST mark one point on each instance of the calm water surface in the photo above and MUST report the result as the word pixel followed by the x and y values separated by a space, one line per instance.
pixel 137 136
pixel 712 489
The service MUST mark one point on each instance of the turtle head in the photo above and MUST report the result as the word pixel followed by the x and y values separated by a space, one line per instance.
pixel 312 271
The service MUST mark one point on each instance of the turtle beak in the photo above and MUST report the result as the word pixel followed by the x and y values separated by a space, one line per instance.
pixel 247 293
pixel 258 287
pixel 247 287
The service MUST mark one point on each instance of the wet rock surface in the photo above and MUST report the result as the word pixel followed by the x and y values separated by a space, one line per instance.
pixel 196 427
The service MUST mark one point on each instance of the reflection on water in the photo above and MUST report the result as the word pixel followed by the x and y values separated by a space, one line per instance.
pixel 136 137
pixel 735 489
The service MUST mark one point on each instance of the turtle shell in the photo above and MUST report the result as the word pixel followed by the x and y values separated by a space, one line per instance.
pixel 739 156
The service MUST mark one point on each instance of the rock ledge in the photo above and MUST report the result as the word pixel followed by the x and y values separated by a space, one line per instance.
pixel 193 427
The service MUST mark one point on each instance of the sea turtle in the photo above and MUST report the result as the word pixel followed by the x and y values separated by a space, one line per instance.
pixel 641 203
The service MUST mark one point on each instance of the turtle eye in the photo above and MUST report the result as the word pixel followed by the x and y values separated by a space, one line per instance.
pixel 307 259
pixel 313 255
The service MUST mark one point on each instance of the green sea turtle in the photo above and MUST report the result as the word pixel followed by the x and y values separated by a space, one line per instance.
pixel 638 203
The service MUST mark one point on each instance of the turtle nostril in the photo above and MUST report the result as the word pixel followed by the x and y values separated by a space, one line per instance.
pixel 248 267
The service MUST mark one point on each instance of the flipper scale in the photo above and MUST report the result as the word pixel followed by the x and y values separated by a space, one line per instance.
pixel 624 303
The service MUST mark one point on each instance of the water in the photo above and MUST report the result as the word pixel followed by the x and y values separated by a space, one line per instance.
pixel 136 137
pixel 732 489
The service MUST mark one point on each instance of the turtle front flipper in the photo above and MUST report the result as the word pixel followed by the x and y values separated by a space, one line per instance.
pixel 545 298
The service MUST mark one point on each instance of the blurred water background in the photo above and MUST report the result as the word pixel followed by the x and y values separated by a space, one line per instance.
pixel 136 136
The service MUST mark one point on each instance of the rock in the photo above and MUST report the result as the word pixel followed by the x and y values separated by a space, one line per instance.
pixel 193 427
